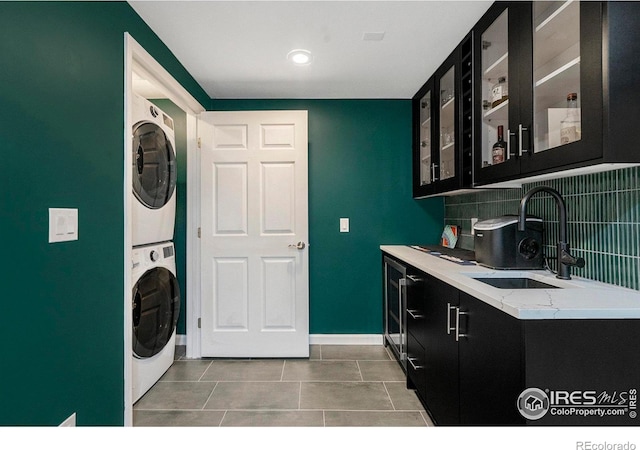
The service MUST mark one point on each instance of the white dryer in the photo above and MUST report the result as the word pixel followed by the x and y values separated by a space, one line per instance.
pixel 155 306
pixel 154 174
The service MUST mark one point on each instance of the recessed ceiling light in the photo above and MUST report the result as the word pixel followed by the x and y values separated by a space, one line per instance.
pixel 300 57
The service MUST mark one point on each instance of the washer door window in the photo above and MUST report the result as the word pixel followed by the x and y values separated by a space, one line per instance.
pixel 154 165
pixel 156 305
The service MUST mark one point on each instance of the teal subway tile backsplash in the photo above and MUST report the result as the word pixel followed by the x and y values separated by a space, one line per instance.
pixel 603 212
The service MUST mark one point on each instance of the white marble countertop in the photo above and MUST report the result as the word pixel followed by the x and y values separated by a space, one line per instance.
pixel 578 298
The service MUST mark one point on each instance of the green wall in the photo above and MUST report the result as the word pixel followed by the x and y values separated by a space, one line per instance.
pixel 61 135
pixel 360 168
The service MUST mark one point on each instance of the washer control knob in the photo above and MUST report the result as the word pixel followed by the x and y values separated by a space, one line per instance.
pixel 154 255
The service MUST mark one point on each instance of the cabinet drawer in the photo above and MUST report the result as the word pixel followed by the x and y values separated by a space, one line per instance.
pixel 415 365
pixel 416 324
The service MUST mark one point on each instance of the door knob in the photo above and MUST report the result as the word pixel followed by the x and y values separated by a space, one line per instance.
pixel 300 245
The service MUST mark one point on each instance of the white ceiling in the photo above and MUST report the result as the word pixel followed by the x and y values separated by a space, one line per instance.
pixel 238 49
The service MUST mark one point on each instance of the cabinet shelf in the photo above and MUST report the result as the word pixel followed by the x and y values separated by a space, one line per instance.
pixel 497 69
pixel 447 146
pixel 500 112
pixel 564 80
pixel 560 24
pixel 448 104
pixel 558 16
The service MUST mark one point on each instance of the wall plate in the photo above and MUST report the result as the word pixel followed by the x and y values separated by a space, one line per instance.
pixel 63 224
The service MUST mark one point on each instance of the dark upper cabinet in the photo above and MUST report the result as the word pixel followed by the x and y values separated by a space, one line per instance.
pixel 442 127
pixel 559 78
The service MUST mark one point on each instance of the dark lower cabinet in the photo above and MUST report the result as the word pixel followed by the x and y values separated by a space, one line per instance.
pixel 490 361
pixel 590 369
pixel 415 366
pixel 442 394
pixel 470 363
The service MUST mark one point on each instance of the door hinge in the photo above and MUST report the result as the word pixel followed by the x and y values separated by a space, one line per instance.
pixel 200 143
pixel 199 322
pixel 199 232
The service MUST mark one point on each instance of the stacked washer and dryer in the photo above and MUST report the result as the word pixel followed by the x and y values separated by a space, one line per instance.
pixel 155 291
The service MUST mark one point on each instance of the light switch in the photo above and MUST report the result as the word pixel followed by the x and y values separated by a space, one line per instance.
pixel 63 224
pixel 344 225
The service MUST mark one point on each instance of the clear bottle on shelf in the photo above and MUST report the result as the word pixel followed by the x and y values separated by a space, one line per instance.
pixel 570 130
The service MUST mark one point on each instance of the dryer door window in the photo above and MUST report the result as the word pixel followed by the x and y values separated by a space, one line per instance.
pixel 156 306
pixel 154 165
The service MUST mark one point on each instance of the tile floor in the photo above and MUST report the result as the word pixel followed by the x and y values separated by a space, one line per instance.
pixel 337 386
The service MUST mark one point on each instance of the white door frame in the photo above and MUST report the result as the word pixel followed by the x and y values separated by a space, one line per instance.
pixel 138 59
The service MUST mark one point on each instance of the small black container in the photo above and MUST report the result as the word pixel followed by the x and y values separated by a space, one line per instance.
pixel 499 244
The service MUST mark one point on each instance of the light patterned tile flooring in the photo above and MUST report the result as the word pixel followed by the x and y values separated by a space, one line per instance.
pixel 338 385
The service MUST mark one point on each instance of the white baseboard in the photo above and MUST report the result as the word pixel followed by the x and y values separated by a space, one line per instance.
pixel 346 339
pixel 325 339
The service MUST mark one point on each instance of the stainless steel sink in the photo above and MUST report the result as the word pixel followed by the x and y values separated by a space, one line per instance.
pixel 516 283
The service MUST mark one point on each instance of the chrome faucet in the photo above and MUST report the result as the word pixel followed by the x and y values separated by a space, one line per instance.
pixel 565 260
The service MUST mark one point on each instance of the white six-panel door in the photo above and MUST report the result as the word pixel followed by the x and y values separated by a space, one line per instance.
pixel 254 234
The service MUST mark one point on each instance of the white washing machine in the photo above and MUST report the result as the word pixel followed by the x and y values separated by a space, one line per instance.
pixel 155 306
pixel 154 174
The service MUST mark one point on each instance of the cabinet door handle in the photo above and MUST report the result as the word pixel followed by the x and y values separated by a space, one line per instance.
pixel 433 172
pixel 521 149
pixel 510 135
pixel 401 307
pixel 458 314
pixel 414 278
pixel 415 314
pixel 449 309
pixel 411 361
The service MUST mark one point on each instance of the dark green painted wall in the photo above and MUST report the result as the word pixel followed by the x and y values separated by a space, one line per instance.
pixel 61 135
pixel 360 168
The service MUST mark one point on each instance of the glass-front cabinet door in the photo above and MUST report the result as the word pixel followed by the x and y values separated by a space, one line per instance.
pixel 495 79
pixel 498 62
pixel 556 75
pixel 436 127
pixel 424 154
pixel 563 120
pixel 443 126
pixel 541 83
